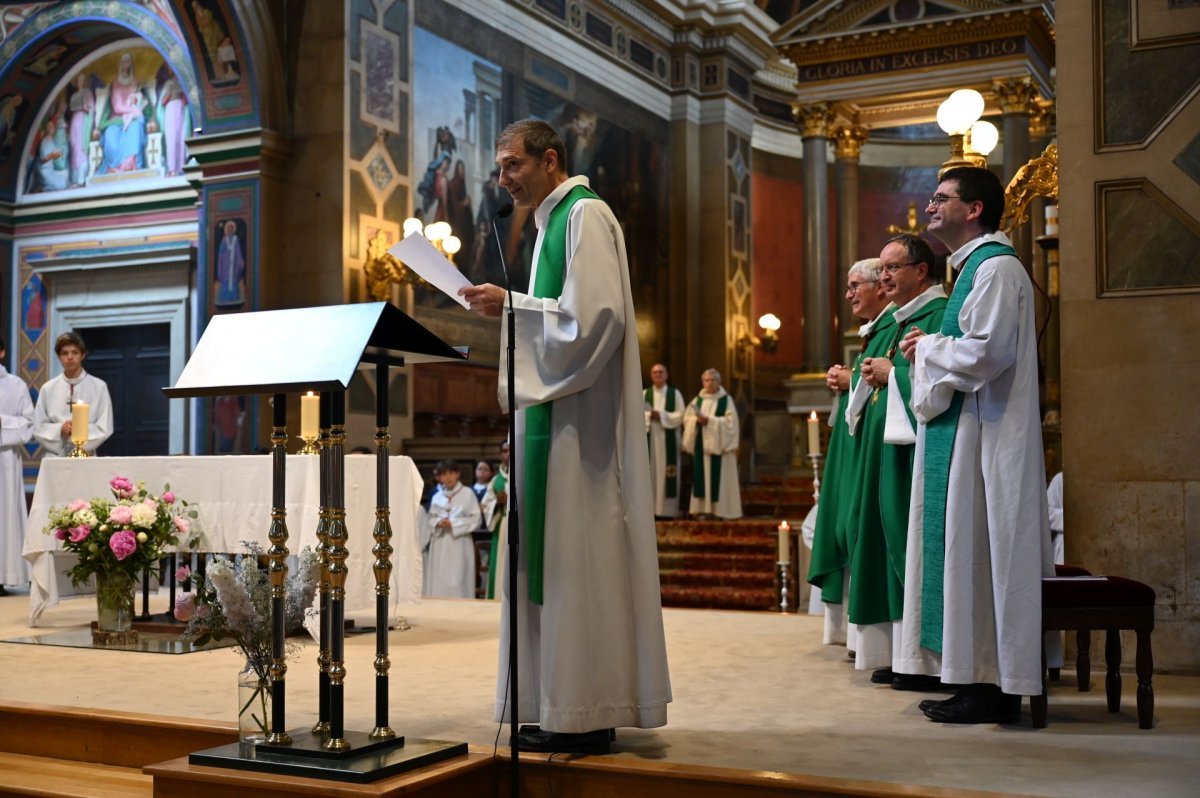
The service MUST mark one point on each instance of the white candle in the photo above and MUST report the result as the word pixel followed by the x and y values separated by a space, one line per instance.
pixel 1051 220
pixel 310 411
pixel 814 434
pixel 79 423
pixel 785 542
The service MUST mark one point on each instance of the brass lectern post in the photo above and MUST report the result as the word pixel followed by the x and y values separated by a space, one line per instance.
pixel 278 553
pixel 336 553
pixel 383 554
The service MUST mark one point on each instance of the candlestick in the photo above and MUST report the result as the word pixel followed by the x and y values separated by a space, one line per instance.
pixel 814 434
pixel 785 543
pixel 1051 220
pixel 783 586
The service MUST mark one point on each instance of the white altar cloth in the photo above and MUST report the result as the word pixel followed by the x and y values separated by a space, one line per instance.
pixel 232 495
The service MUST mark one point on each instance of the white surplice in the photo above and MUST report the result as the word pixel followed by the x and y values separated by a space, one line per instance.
pixel 721 437
pixel 451 563
pixel 665 506
pixel 997 540
pixel 593 655
pixel 54 407
pixel 16 427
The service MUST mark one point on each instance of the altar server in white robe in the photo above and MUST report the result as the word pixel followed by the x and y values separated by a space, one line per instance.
pixel 453 515
pixel 591 645
pixel 16 427
pixel 712 420
pixel 664 417
pixel 495 518
pixel 979 623
pixel 52 415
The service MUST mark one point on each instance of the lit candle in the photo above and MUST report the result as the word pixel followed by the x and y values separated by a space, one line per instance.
pixel 79 423
pixel 785 542
pixel 310 409
pixel 1051 220
pixel 814 434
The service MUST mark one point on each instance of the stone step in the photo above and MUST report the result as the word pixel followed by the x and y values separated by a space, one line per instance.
pixel 715 561
pixel 720 578
pixel 720 598
pixel 730 545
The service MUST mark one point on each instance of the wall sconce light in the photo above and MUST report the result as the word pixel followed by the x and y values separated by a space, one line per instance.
pixel 769 341
pixel 970 139
pixel 438 233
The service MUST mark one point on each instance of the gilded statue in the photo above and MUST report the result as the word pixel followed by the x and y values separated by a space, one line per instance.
pixel 913 227
pixel 381 268
pixel 1037 178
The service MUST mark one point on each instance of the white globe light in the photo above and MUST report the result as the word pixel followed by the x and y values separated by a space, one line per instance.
pixel 412 225
pixel 984 137
pixel 451 244
pixel 959 110
pixel 769 321
pixel 437 231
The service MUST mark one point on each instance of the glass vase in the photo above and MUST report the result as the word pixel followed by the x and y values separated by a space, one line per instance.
pixel 254 705
pixel 114 602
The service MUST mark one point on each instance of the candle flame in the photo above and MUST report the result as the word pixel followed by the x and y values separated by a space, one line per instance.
pixel 812 416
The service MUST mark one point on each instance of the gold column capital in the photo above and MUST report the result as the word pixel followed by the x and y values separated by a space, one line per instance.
pixel 848 141
pixel 1042 119
pixel 814 120
pixel 1016 95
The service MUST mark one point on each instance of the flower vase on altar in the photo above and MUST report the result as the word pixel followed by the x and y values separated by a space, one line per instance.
pixel 114 608
pixel 254 705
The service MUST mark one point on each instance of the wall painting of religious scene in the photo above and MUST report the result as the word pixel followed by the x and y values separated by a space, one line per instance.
pixel 121 116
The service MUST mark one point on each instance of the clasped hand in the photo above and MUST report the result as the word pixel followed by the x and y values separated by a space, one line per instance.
pixel 908 344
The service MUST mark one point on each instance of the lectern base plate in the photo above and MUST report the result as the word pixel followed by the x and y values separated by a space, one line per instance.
pixel 371 761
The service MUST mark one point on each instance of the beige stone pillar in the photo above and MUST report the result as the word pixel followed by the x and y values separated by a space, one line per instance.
pixel 847 152
pixel 816 129
pixel 1016 97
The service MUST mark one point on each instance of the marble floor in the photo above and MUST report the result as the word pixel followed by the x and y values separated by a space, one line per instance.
pixel 752 691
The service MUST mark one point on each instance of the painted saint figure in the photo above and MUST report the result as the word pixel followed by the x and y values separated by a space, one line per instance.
pixel 231 269
pixel 122 124
pixel 81 107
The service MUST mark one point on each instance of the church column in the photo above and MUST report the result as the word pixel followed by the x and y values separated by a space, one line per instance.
pixel 816 126
pixel 847 152
pixel 1016 97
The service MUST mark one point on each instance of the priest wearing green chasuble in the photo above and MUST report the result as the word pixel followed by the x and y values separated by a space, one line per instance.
pixel 830 548
pixel 664 417
pixel 591 643
pixel 711 433
pixel 879 508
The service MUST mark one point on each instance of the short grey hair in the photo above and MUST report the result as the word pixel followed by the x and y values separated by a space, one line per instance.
pixel 714 373
pixel 868 267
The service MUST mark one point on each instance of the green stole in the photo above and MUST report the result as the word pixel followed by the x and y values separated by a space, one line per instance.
pixel 548 284
pixel 498 484
pixel 714 459
pixel 672 453
pixel 939 446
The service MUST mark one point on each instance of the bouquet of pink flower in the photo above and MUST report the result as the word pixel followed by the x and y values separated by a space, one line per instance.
pixel 127 533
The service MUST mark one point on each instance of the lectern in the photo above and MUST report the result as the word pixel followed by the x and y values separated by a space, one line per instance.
pixel 318 349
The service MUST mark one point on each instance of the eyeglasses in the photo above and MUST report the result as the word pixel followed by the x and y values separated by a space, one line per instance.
pixel 938 200
pixel 852 287
pixel 892 268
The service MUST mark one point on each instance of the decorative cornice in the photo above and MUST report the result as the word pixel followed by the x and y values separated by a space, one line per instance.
pixel 815 120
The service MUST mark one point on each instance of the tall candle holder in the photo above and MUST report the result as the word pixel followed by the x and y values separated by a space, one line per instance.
pixel 310 446
pixel 815 459
pixel 78 450
pixel 783 585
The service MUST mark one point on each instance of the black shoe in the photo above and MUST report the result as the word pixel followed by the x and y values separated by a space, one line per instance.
pixel 942 702
pixel 977 703
pixel 918 683
pixel 882 676
pixel 1008 709
pixel 547 742
pixel 3 592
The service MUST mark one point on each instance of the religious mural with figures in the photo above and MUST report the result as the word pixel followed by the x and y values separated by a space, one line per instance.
pixel 120 116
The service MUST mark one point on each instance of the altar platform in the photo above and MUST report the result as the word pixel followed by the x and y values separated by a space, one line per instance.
pixel 758 701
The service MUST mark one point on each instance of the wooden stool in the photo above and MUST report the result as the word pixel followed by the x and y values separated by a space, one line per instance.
pixel 1112 603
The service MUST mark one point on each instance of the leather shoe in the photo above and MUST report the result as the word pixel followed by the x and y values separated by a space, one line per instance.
pixel 977 703
pixel 919 683
pixel 882 676
pixel 943 702
pixel 536 740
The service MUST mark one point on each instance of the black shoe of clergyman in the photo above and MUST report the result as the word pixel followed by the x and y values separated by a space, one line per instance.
pixel 918 683
pixel 882 676
pixel 977 703
pixel 944 702
pixel 547 742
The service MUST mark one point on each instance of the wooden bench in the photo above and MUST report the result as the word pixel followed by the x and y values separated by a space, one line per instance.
pixel 1110 603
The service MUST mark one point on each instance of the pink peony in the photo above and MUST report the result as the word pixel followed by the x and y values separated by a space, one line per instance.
pixel 121 514
pixel 185 606
pixel 60 533
pixel 79 533
pixel 183 573
pixel 77 505
pixel 181 524
pixel 121 487
pixel 168 497
pixel 122 544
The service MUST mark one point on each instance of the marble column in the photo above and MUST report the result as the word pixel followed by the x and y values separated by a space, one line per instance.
pixel 1016 96
pixel 847 152
pixel 816 129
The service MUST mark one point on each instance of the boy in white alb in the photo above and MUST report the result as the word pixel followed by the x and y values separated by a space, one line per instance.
pixel 453 516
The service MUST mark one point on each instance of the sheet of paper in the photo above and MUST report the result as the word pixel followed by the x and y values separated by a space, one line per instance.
pixel 417 253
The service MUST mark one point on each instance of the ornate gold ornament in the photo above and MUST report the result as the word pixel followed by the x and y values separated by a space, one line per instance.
pixel 1037 178
pixel 815 120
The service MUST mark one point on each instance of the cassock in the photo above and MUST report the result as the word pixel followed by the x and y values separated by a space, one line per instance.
pixel 879 511
pixel 831 537
pixel 718 482
pixel 665 467
pixel 593 654
pixel 495 517
pixel 54 407
pixel 997 543
pixel 16 427
pixel 451 564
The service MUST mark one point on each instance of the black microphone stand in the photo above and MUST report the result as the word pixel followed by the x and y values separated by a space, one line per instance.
pixel 514 521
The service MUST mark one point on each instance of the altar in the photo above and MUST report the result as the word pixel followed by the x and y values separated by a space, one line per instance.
pixel 232 495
